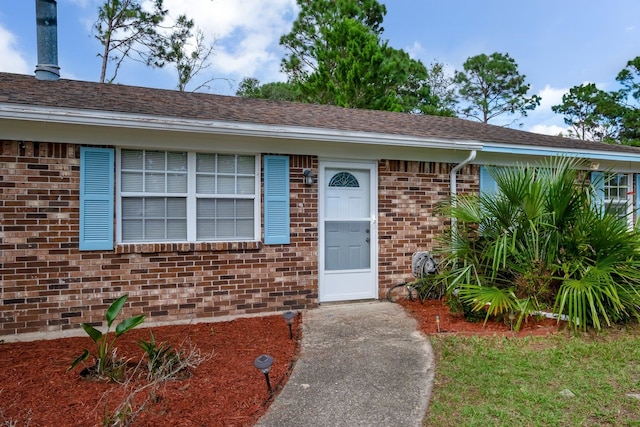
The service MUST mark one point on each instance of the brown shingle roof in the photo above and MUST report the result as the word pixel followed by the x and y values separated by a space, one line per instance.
pixel 25 89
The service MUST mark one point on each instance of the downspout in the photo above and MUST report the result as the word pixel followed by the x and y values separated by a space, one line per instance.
pixel 452 179
pixel 47 34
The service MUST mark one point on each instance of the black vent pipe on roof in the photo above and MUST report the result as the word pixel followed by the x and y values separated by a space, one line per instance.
pixel 47 33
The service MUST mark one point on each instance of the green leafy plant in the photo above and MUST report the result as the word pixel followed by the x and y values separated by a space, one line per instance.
pixel 106 364
pixel 162 358
pixel 542 242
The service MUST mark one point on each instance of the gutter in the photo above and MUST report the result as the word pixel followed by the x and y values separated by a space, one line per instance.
pixel 452 181
pixel 454 171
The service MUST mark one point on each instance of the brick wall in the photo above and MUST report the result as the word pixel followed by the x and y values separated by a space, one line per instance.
pixel 48 286
pixel 409 192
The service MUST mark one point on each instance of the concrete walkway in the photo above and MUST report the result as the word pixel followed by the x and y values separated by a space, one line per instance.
pixel 361 364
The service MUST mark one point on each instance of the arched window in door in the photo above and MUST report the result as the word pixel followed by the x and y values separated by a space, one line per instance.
pixel 344 179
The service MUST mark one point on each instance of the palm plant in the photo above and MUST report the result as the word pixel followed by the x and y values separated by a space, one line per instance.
pixel 541 243
pixel 602 279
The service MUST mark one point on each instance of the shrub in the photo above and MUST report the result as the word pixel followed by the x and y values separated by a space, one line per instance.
pixel 541 243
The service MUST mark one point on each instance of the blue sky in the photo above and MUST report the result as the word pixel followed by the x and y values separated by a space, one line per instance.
pixel 556 43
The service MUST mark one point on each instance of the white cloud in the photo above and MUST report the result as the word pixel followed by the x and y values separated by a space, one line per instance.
pixel 415 50
pixel 543 115
pixel 246 33
pixel 554 130
pixel 11 58
pixel 543 120
pixel 550 97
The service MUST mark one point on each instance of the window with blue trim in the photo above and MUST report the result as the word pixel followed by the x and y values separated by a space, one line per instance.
pixel 617 193
pixel 177 196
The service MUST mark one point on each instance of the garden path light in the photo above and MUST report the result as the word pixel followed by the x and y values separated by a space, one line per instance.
pixel 288 317
pixel 263 364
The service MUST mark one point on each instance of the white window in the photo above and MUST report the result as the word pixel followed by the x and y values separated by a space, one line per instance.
pixel 177 196
pixel 618 195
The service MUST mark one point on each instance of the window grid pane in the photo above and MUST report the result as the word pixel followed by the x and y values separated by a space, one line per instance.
pixel 616 194
pixel 154 219
pixel 221 219
pixel 132 181
pixel 225 174
pixel 153 171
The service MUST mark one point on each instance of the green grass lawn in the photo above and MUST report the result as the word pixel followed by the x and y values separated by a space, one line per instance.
pixel 522 382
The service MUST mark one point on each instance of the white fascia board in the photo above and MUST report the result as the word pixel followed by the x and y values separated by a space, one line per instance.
pixel 176 124
pixel 569 152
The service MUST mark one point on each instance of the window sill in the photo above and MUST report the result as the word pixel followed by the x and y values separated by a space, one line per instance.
pixel 145 248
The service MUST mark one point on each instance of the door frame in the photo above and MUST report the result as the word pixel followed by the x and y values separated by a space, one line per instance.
pixel 372 167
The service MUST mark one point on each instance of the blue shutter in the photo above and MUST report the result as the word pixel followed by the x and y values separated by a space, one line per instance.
pixel 276 200
pixel 488 185
pixel 96 198
pixel 597 182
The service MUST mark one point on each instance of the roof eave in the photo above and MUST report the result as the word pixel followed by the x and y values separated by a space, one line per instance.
pixel 559 151
pixel 70 116
pixel 102 118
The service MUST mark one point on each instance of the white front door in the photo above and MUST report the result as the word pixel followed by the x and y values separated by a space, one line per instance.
pixel 347 231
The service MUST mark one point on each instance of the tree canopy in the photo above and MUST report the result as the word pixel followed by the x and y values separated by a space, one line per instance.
pixel 126 30
pixel 250 87
pixel 596 115
pixel 189 52
pixel 491 85
pixel 441 87
pixel 592 114
pixel 136 30
pixel 336 55
pixel 629 78
pixel 304 40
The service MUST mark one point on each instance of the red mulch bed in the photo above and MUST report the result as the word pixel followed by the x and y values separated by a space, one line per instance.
pixel 454 323
pixel 225 390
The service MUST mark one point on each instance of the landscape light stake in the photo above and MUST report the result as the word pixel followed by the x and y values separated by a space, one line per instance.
pixel 263 364
pixel 438 323
pixel 288 317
